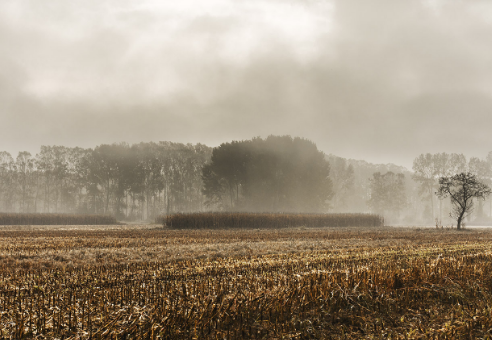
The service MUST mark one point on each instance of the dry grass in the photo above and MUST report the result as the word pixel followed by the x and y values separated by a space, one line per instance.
pixel 265 284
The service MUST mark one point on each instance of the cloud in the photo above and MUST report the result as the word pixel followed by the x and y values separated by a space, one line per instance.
pixel 382 80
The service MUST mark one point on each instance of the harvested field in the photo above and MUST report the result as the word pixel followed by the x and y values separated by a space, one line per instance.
pixel 152 283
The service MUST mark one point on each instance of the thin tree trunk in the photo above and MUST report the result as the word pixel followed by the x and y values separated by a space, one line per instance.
pixel 440 212
pixel 460 218
pixel 107 198
pixel 167 198
pixel 231 194
pixel 148 205
pixel 37 195
pixel 432 202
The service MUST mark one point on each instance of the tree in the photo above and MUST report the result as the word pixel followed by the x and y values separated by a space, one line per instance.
pixel 26 185
pixel 387 194
pixel 424 174
pixel 488 159
pixel 429 168
pixel 44 162
pixel 276 174
pixel 343 178
pixel 462 189
pixel 445 164
pixel 7 181
pixel 482 169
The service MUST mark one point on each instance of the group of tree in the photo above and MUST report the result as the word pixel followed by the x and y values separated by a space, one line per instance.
pixel 133 182
pixel 363 187
pixel 276 174
pixel 420 197
pixel 430 168
pixel 142 181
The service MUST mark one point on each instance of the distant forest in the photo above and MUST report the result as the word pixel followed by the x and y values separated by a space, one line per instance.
pixel 275 174
pixel 136 182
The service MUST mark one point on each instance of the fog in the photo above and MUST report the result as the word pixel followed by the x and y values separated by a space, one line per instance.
pixel 382 81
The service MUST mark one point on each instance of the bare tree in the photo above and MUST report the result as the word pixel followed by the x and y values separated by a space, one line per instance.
pixel 462 189
pixel 429 168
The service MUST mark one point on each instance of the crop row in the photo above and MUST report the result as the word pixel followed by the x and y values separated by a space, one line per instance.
pixel 81 246
pixel 55 219
pixel 432 293
pixel 269 221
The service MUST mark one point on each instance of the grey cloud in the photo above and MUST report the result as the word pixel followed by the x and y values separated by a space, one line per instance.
pixel 392 79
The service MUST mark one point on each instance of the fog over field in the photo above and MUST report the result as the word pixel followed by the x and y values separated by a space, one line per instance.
pixel 245 169
pixel 380 80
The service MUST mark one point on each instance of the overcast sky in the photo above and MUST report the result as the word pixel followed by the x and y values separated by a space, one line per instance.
pixel 380 80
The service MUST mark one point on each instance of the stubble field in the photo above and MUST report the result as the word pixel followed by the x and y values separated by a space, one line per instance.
pixel 144 282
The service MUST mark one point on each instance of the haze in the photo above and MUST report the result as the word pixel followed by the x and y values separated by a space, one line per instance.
pixel 377 80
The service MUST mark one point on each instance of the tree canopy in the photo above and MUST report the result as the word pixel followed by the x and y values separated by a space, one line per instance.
pixel 139 181
pixel 276 174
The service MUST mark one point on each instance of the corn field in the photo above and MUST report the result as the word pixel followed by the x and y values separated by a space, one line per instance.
pixel 265 220
pixel 55 219
pixel 353 284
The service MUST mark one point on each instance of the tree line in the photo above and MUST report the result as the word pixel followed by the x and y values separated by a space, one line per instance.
pixel 275 174
pixel 421 194
pixel 142 181
pixel 130 182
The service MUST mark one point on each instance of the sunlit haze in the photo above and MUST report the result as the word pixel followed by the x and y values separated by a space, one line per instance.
pixel 381 80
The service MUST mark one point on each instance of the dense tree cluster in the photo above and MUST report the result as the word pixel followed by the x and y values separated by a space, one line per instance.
pixel 276 174
pixel 133 182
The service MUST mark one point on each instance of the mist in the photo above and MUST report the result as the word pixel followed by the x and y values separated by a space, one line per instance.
pixel 381 81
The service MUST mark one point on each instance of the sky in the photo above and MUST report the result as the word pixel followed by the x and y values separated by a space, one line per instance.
pixel 379 80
